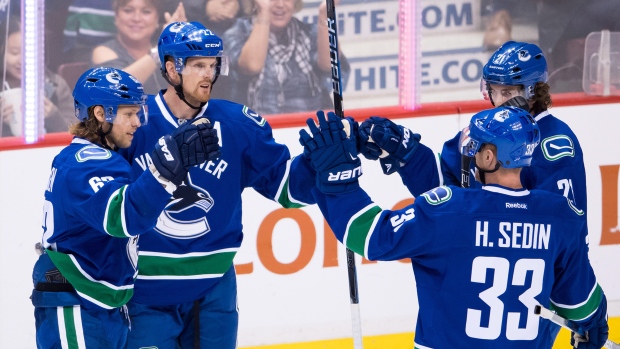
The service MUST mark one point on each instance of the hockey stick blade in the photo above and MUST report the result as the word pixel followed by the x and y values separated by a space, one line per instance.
pixel 567 324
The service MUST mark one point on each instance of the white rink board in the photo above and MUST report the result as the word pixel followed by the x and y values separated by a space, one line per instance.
pixel 312 303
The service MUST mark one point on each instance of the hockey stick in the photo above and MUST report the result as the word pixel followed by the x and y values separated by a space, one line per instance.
pixel 465 161
pixel 567 324
pixel 337 87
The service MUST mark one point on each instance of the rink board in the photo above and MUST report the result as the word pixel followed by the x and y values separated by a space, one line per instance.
pixel 292 278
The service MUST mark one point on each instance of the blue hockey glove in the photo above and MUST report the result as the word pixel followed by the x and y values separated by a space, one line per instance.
pixel 197 142
pixel 350 127
pixel 167 160
pixel 379 136
pixel 332 154
pixel 597 334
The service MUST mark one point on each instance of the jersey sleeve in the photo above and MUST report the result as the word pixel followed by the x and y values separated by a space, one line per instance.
pixel 450 161
pixel 559 168
pixel 376 234
pixel 106 200
pixel 277 176
pixel 576 295
pixel 421 174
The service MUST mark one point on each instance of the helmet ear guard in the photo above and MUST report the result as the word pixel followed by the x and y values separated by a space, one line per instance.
pixel 512 130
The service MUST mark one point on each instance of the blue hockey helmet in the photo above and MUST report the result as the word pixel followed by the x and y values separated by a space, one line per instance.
pixel 182 40
pixel 512 130
pixel 109 88
pixel 516 63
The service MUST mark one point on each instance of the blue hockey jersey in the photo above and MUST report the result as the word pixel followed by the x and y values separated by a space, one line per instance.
pixel 482 259
pixel 200 230
pixel 92 217
pixel 557 163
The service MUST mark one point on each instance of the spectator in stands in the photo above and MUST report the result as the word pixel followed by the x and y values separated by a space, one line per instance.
pixel 89 23
pixel 58 102
pixel 215 15
pixel 134 49
pixel 278 63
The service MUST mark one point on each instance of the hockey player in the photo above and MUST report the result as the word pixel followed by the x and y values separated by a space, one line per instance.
pixel 491 245
pixel 516 74
pixel 93 214
pixel 186 279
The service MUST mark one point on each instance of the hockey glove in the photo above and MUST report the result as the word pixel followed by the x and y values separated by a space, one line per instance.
pixel 167 161
pixel 197 142
pixel 332 154
pixel 394 144
pixel 350 127
pixel 597 334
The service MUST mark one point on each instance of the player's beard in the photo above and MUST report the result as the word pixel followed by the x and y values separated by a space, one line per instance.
pixel 199 94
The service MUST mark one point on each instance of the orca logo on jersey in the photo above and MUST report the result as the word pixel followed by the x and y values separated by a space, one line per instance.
pixel 92 152
pixel 254 116
pixel 557 147
pixel 185 215
pixel 438 195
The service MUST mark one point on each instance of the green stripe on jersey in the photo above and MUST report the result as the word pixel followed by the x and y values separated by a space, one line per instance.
pixel 101 293
pixel 359 228
pixel 284 199
pixel 163 266
pixel 583 310
pixel 70 331
pixel 115 215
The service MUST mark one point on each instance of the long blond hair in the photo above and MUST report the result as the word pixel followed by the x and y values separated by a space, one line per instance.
pixel 89 128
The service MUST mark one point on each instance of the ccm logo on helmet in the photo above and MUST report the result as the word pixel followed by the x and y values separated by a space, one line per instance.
pixel 213 45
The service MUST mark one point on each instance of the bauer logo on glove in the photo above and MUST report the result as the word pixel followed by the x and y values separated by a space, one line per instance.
pixel 332 154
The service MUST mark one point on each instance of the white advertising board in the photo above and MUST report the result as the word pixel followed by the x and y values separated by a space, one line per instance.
pixel 292 279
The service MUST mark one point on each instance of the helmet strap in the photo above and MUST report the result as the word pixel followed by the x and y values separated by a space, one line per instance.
pixel 178 88
pixel 489 89
pixel 483 172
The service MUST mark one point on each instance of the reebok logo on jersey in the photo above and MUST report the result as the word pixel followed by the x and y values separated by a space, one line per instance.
pixel 164 149
pixel 516 205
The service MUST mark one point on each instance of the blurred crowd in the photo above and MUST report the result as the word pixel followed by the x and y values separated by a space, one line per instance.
pixel 276 61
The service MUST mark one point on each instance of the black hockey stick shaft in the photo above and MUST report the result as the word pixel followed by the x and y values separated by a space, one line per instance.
pixel 465 173
pixel 338 109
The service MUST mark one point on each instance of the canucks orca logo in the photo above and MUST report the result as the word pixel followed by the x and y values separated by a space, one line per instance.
pixel 524 56
pixel 185 215
pixel 558 146
pixel 254 116
pixel 438 195
pixel 175 28
pixel 113 77
pixel 92 152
